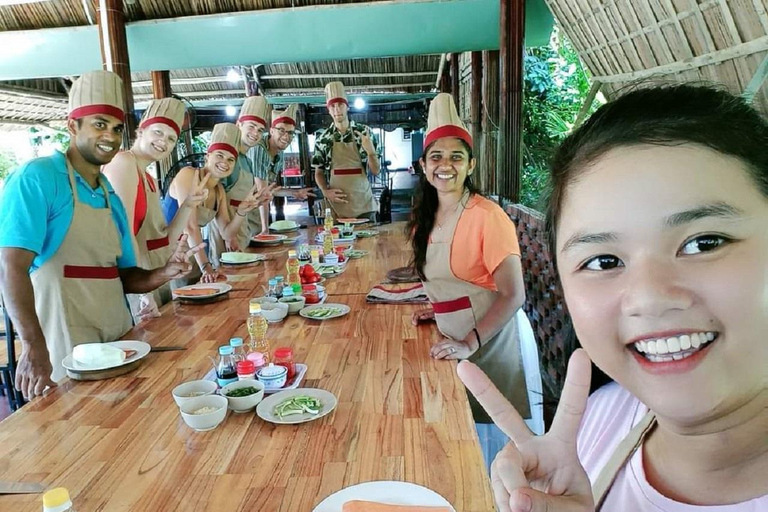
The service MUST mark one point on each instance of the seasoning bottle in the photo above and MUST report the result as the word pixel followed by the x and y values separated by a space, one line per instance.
pixel 246 370
pixel 296 289
pixel 279 286
pixel 315 255
pixel 292 266
pixel 328 233
pixel 57 500
pixel 257 330
pixel 284 357
pixel 226 369
pixel 258 360
pixel 238 349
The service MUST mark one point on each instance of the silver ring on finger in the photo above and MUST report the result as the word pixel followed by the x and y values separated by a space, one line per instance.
pixel 453 350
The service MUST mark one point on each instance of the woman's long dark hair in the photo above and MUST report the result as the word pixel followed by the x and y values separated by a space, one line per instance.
pixel 666 115
pixel 424 211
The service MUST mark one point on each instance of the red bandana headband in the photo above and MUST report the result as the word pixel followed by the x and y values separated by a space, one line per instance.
pixel 337 100
pixel 163 120
pixel 256 119
pixel 448 131
pixel 222 146
pixel 90 110
pixel 284 119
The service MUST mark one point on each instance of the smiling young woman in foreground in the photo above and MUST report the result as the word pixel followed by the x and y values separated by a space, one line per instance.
pixel 659 222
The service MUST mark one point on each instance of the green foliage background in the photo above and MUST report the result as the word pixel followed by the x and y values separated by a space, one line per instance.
pixel 556 85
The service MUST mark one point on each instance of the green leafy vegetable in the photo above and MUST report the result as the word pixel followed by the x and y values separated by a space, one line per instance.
pixel 240 392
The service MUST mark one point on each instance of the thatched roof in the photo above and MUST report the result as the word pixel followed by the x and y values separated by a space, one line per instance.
pixel 72 13
pixel 44 101
pixel 622 42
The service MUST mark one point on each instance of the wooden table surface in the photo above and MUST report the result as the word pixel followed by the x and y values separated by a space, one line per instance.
pixel 121 444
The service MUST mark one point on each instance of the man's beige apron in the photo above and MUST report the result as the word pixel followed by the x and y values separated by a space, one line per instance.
pixel 153 243
pixel 348 174
pixel 251 224
pixel 620 457
pixel 458 306
pixel 79 296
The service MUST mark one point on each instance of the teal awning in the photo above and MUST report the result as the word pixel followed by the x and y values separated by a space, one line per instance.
pixel 368 30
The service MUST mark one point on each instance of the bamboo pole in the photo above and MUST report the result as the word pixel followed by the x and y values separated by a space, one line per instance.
pixel 455 80
pixel 511 108
pixel 476 115
pixel 490 119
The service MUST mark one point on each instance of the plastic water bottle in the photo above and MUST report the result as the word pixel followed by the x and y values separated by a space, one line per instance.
pixel 57 500
pixel 292 266
pixel 257 330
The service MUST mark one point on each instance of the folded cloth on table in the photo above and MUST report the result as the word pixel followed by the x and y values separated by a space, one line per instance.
pixel 402 275
pixel 370 506
pixel 397 294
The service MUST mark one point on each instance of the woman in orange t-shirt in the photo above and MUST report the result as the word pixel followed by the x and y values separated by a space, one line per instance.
pixel 467 255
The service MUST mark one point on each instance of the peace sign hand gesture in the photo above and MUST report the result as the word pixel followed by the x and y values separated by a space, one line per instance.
pixel 199 193
pixel 367 143
pixel 179 265
pixel 256 198
pixel 538 473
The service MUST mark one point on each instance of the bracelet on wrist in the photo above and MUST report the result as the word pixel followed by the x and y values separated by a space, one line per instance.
pixel 477 335
pixel 240 214
pixel 206 264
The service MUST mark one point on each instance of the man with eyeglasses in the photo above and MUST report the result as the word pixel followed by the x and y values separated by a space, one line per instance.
pixel 343 152
pixel 252 124
pixel 269 161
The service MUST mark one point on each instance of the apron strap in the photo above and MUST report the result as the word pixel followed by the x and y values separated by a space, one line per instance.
pixel 73 185
pixel 620 456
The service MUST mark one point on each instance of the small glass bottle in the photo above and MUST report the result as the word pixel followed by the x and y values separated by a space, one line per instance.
pixel 272 292
pixel 279 286
pixel 246 370
pixel 296 290
pixel 57 500
pixel 315 256
pixel 284 357
pixel 238 348
pixel 226 369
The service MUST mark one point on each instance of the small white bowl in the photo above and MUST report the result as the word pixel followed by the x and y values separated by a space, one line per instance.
pixel 295 306
pixel 274 312
pixel 187 391
pixel 263 300
pixel 241 404
pixel 273 376
pixel 207 421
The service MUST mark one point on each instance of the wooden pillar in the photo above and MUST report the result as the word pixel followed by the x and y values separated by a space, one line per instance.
pixel 511 109
pixel 445 83
pixel 490 121
pixel 455 79
pixel 476 116
pixel 161 84
pixel 114 56
pixel 161 88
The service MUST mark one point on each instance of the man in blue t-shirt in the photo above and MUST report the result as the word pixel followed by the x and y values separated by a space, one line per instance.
pixel 66 256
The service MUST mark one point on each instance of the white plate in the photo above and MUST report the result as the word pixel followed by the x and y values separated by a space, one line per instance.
pixel 265 409
pixel 284 226
pixel 221 287
pixel 141 348
pixel 366 233
pixel 343 307
pixel 301 370
pixel 241 258
pixel 337 241
pixel 391 493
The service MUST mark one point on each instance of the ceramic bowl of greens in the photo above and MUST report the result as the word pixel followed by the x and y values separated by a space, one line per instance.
pixel 243 395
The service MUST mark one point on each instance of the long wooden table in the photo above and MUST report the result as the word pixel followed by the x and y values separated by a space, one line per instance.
pixel 121 444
